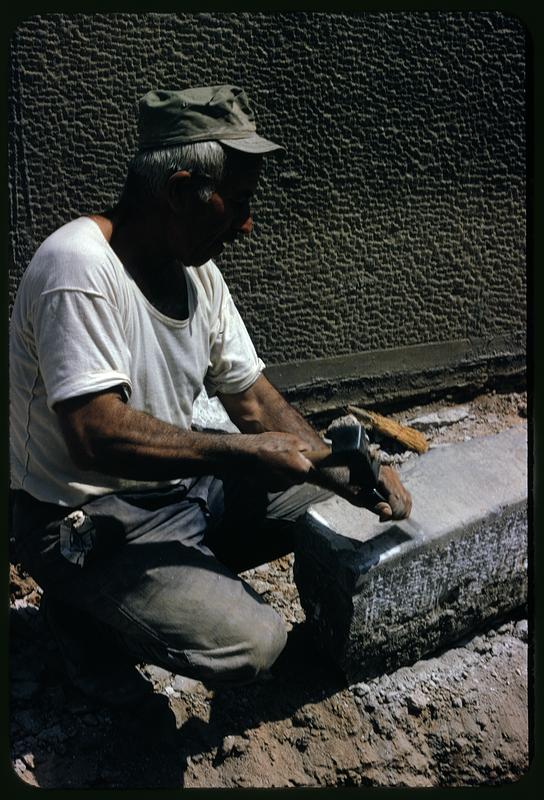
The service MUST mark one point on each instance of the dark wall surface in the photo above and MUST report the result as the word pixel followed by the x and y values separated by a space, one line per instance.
pixel 397 216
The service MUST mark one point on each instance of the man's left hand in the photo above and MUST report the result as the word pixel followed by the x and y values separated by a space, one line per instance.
pixel 399 500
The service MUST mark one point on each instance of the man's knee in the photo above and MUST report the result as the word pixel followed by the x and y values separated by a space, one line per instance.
pixel 267 642
pixel 243 656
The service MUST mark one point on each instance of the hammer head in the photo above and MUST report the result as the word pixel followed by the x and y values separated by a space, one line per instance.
pixel 349 445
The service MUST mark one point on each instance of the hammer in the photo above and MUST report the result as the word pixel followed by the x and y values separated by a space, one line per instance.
pixel 349 448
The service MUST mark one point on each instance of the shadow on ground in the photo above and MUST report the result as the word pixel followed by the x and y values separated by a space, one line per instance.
pixel 62 740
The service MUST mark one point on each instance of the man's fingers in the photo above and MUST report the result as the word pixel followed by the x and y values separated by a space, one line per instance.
pixel 398 497
pixel 384 511
pixel 401 504
pixel 305 462
pixel 395 509
pixel 280 458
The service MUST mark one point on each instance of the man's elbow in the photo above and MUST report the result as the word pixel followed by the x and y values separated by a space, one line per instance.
pixel 88 429
pixel 244 410
pixel 251 423
pixel 247 417
pixel 84 455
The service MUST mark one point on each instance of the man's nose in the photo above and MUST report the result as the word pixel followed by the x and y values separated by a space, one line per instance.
pixel 247 226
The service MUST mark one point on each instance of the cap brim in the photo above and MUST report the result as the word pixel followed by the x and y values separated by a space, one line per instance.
pixel 252 144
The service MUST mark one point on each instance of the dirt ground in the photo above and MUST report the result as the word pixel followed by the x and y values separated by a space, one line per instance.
pixel 458 718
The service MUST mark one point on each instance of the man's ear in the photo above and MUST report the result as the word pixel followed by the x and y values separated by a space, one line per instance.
pixel 177 189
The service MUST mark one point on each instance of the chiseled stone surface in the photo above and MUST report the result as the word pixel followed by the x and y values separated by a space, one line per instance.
pixel 396 217
pixel 380 595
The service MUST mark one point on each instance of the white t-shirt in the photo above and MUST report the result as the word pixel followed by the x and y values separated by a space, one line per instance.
pixel 80 324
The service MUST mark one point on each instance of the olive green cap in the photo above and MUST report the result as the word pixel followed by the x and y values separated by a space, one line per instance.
pixel 200 114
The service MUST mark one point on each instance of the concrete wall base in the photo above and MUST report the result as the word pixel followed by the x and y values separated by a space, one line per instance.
pixel 318 386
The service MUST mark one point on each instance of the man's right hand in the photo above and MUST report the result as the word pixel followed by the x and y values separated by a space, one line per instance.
pixel 279 459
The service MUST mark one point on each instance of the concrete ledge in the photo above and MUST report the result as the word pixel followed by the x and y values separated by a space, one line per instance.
pixel 320 385
pixel 379 596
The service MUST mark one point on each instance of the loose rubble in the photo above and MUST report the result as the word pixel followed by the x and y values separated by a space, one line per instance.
pixel 446 416
pixel 459 718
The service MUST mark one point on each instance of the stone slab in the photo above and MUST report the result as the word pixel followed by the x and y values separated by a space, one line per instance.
pixel 381 595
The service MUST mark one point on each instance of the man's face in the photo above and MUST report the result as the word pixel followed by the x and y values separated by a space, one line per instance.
pixel 223 217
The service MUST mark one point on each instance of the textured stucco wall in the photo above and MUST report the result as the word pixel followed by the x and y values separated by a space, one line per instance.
pixel 396 218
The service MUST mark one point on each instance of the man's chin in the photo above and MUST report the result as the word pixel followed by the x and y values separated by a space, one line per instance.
pixel 198 259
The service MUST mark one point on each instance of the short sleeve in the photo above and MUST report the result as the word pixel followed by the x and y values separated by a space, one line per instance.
pixel 234 363
pixel 80 343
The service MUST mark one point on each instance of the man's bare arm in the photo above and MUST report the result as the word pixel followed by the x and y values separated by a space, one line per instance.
pixel 262 408
pixel 104 434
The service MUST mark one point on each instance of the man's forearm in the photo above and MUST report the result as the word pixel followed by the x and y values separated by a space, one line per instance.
pixel 138 446
pixel 262 408
pixel 106 435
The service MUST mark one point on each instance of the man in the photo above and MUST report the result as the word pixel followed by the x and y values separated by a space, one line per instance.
pixel 135 524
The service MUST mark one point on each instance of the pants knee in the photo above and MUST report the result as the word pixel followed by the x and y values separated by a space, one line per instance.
pixel 266 643
pixel 243 656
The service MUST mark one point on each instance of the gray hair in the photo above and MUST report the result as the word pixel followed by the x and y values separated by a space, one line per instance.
pixel 149 170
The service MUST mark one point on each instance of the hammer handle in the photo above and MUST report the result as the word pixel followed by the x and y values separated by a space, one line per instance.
pixel 324 457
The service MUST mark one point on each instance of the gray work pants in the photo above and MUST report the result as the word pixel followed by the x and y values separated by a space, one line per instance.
pixel 157 571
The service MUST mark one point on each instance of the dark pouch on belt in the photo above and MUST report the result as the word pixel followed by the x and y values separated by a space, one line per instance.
pixel 77 537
